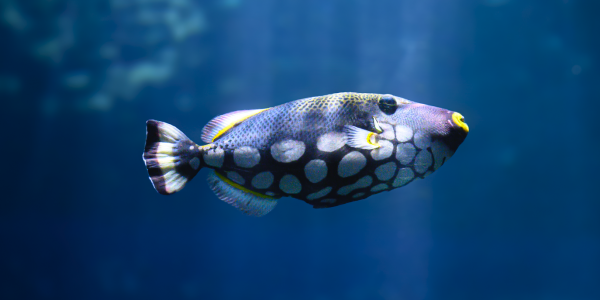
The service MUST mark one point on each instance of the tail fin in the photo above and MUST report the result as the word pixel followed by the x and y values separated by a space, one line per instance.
pixel 171 158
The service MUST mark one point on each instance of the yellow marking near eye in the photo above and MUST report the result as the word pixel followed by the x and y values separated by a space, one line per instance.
pixel 239 187
pixel 459 120
pixel 222 131
pixel 372 139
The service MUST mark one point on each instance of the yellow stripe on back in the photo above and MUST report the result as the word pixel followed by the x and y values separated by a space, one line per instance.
pixel 236 122
pixel 219 125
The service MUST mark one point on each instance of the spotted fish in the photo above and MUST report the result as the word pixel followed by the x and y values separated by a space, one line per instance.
pixel 326 151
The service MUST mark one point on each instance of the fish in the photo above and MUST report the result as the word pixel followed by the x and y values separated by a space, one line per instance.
pixel 326 151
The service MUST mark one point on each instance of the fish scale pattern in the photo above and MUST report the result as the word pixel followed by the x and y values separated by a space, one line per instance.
pixel 304 120
pixel 326 151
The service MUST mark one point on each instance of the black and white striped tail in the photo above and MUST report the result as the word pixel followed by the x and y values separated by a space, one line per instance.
pixel 171 158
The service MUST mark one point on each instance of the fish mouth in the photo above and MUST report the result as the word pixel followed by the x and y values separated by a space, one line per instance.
pixel 459 121
pixel 458 130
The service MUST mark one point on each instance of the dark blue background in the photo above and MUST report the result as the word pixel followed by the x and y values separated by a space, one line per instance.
pixel 513 215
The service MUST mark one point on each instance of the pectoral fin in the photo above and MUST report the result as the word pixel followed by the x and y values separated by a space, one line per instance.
pixel 361 138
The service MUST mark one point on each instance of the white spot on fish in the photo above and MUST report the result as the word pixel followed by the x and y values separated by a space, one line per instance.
pixel 320 194
pixel 380 187
pixel 315 170
pixel 191 148
pixel 262 180
pixel 423 161
pixel 287 151
pixel 388 131
pixel 403 133
pixel 195 163
pixel 214 157
pixel 246 157
pixel 351 164
pixel 422 140
pixel 361 183
pixel 289 184
pixel 405 175
pixel 270 194
pixel 331 141
pixel 405 153
pixel 358 195
pixel 384 151
pixel 386 171
pixel 235 177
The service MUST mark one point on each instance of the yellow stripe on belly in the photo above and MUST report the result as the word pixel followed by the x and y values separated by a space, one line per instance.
pixel 239 187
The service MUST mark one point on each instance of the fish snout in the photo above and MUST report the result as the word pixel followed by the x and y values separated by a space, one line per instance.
pixel 457 132
pixel 457 122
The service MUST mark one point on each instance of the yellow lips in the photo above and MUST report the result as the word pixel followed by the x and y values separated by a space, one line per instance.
pixel 459 120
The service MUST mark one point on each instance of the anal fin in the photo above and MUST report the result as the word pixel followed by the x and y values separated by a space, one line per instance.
pixel 249 202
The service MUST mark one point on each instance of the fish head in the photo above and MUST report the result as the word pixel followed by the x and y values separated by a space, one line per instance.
pixel 422 125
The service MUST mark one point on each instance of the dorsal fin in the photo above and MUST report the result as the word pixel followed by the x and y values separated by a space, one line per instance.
pixel 221 124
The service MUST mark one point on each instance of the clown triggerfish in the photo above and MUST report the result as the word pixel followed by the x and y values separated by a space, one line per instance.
pixel 325 151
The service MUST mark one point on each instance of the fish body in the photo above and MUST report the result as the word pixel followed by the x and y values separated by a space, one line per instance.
pixel 326 151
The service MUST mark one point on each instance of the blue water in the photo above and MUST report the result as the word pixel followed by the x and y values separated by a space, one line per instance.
pixel 513 215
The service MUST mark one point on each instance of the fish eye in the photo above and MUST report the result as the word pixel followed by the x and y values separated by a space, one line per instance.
pixel 388 104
